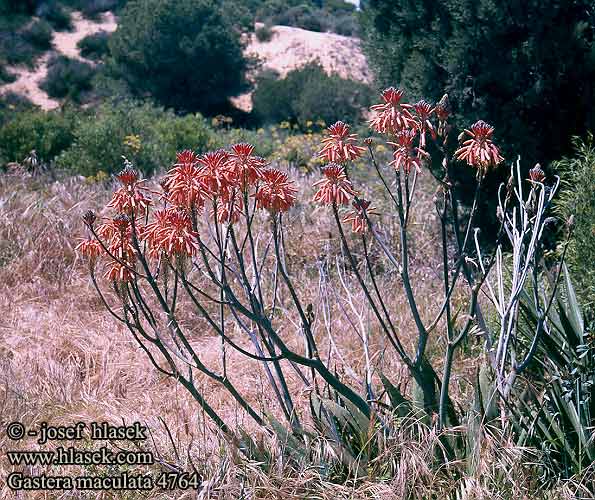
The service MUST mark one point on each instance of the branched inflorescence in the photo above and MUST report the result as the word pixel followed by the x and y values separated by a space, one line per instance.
pixel 154 245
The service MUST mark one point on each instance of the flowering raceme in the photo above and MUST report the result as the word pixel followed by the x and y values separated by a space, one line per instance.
pixel 479 151
pixel 391 115
pixel 117 232
pixel 340 146
pixel 335 188
pixel 276 193
pixel 176 237
pixel 129 198
pixel 357 217
pixel 183 182
pixel 90 249
pixel 424 111
pixel 215 175
pixel 244 166
pixel 405 155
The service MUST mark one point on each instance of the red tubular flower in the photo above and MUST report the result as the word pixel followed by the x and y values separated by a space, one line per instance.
pixel 335 187
pixel 128 176
pixel 357 217
pixel 276 193
pixel 536 174
pixel 91 249
pixel 339 147
pixel 405 155
pixel 151 233
pixel 186 157
pixel 407 160
pixel 121 250
pixel 243 165
pixel 130 198
pixel 423 111
pixel 391 116
pixel 479 151
pixel 216 177
pixel 175 235
pixel 118 273
pixel 182 184
pixel 229 208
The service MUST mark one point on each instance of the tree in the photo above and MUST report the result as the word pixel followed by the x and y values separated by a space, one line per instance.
pixel 527 67
pixel 183 53
pixel 309 94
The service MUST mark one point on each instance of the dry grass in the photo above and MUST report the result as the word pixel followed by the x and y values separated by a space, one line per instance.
pixel 63 359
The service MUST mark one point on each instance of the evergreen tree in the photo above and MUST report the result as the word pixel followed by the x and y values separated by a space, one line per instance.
pixel 525 66
pixel 183 53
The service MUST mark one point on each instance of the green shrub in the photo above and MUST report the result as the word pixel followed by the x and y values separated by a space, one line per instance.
pixel 15 49
pixel 184 53
pixel 301 16
pixel 337 16
pixel 6 76
pixel 264 33
pixel 577 201
pixel 39 33
pixel 48 133
pixel 145 134
pixel 94 7
pixel 95 46
pixel 12 7
pixel 11 104
pixel 309 94
pixel 67 78
pixel 56 15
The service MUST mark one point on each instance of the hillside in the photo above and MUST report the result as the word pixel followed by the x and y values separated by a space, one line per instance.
pixel 64 43
pixel 288 49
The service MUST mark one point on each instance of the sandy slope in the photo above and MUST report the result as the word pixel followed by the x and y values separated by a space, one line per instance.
pixel 291 48
pixel 28 80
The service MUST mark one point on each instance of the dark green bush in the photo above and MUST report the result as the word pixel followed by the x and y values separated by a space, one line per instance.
pixel 95 46
pixel 309 94
pixel 264 33
pixel 184 53
pixel 300 16
pixel 346 25
pixel 48 133
pixel 55 14
pixel 12 7
pixel 337 16
pixel 101 138
pixel 39 33
pixel 94 7
pixel 6 76
pixel 577 202
pixel 15 49
pixel 68 78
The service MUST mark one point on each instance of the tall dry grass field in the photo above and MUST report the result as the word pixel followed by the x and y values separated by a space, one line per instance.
pixel 63 359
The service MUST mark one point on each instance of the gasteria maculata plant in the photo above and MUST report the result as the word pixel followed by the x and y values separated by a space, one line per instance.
pixel 202 235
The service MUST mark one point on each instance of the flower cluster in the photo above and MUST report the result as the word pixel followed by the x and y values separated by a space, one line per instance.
pixel 335 188
pixel 340 146
pixel 221 180
pixel 479 151
pixel 359 215
pixel 170 233
pixel 407 128
pixel 276 193
pixel 131 197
